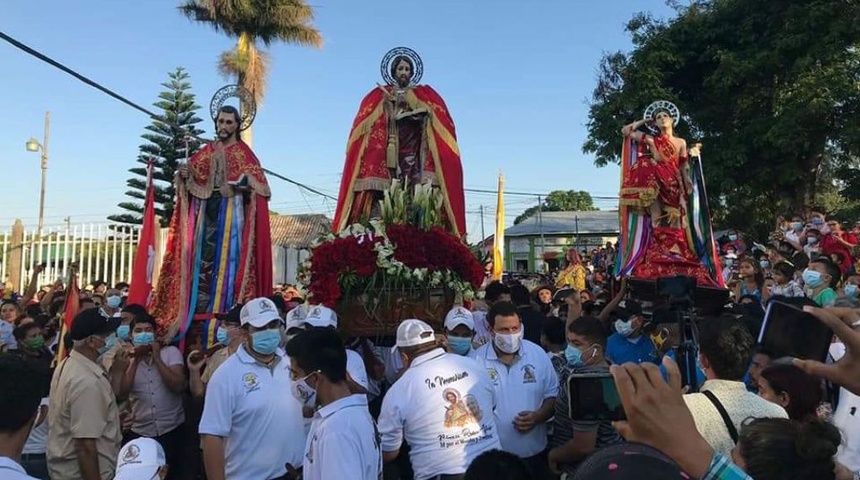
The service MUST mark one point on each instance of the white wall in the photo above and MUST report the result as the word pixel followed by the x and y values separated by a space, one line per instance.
pixel 285 263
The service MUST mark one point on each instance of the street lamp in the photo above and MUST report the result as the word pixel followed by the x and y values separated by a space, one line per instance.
pixel 33 145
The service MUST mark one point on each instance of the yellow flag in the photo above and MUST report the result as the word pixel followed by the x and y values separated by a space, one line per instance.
pixel 499 238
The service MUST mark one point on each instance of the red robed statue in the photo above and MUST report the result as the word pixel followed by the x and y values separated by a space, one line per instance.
pixel 219 249
pixel 402 131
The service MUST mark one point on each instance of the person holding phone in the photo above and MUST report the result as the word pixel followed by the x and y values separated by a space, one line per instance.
pixel 572 441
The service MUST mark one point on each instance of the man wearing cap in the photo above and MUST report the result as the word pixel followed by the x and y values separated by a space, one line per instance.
pixel 230 336
pixel 459 330
pixel 627 344
pixel 320 316
pixel 85 434
pixel 525 383
pixel 251 426
pixel 442 406
pixel 343 442
pixel 141 459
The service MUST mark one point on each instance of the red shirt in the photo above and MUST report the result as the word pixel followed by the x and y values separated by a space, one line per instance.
pixel 830 245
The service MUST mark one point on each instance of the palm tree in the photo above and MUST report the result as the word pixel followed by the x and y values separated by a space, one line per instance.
pixel 250 22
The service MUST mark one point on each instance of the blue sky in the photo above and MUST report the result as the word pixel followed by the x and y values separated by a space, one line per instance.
pixel 515 77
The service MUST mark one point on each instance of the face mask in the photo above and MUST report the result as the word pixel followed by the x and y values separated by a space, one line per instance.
pixel 265 342
pixel 122 332
pixel 460 345
pixel 730 262
pixel 764 264
pixel 811 240
pixel 221 336
pixel 733 238
pixel 797 226
pixel 817 221
pixel 109 343
pixel 143 338
pixel 113 301
pixel 508 342
pixel 573 356
pixel 304 393
pixel 36 343
pixel 812 279
pixel 851 290
pixel 625 329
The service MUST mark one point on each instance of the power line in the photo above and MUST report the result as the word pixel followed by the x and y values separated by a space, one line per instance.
pixel 111 93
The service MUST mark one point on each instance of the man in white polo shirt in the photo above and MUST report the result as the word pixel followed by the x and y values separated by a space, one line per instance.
pixel 343 442
pixel 252 426
pixel 324 317
pixel 459 330
pixel 526 386
pixel 442 406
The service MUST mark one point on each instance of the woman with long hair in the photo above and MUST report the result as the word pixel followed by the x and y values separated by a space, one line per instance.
pixel 574 273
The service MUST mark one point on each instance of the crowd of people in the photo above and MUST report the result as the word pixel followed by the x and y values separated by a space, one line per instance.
pixel 488 396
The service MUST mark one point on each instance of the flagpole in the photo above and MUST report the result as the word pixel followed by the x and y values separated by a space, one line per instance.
pixel 499 237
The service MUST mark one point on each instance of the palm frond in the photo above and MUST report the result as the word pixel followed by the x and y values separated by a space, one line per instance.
pixel 250 69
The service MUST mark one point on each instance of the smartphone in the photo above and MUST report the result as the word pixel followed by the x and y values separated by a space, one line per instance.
pixel 788 331
pixel 593 397
pixel 561 295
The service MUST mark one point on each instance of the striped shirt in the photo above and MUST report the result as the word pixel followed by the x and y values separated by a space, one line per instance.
pixel 564 428
pixel 723 469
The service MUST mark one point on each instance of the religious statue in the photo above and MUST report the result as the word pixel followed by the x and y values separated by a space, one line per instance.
pixel 403 131
pixel 219 249
pixel 665 225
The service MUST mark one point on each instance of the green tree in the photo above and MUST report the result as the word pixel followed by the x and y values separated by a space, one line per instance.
pixel 768 88
pixel 250 22
pixel 561 201
pixel 166 147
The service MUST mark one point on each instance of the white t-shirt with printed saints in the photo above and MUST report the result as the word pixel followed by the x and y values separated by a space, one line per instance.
pixel 442 406
pixel 343 443
pixel 250 405
pixel 521 387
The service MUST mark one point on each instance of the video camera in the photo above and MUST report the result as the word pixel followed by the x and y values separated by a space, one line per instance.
pixel 679 293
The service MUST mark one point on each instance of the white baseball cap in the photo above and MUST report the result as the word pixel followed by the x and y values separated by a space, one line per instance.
pixel 140 459
pixel 459 316
pixel 321 316
pixel 296 317
pixel 259 312
pixel 414 332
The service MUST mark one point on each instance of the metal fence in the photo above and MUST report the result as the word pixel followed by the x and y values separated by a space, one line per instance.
pixel 103 252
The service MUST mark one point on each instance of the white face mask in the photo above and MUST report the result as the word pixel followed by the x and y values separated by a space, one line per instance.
pixel 625 329
pixel 508 342
pixel 304 393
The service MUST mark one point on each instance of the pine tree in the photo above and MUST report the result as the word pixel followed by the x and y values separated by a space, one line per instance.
pixel 166 148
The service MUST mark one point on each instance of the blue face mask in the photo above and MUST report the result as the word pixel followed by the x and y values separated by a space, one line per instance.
pixel 122 332
pixel 109 343
pixel 811 240
pixel 812 279
pixel 460 345
pixel 625 329
pixel 573 356
pixel 266 342
pixel 733 238
pixel 113 301
pixel 797 226
pixel 817 221
pixel 764 264
pixel 143 338
pixel 850 290
pixel 221 336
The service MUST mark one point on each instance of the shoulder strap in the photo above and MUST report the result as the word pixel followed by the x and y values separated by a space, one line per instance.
pixel 730 426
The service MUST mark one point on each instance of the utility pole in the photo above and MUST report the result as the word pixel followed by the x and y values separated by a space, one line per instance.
pixel 483 235
pixel 540 226
pixel 34 146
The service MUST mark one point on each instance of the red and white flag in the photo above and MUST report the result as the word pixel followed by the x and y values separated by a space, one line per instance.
pixel 140 289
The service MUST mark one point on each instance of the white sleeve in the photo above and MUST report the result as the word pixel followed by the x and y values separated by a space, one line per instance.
pixel 390 423
pixel 217 417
